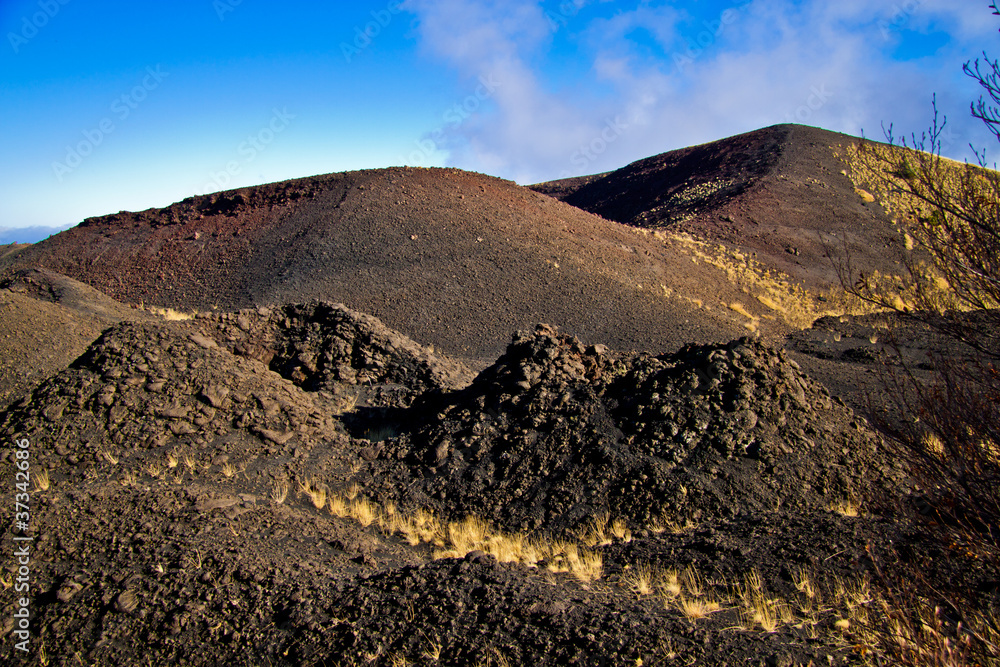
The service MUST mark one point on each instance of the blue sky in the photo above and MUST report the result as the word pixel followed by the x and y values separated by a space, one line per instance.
pixel 114 106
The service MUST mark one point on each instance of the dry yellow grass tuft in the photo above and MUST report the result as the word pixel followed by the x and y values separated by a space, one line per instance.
pixel 758 608
pixel 668 583
pixel 640 580
pixel 171 315
pixel 337 506
pixel 695 608
pixel 42 481
pixel 316 492
pixel 279 492
pixel 468 534
pixel 588 566
pixel 363 512
pixel 803 582
pixel 848 507
pixel 620 531
pixel 595 534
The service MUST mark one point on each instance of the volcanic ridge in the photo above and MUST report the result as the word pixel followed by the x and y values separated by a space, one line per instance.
pixel 427 416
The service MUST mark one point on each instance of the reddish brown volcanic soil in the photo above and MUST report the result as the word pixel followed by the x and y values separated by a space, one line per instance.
pixel 455 259
pixel 286 480
pixel 459 260
pixel 780 194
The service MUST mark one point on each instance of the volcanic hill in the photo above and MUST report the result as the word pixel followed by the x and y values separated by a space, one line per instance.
pixel 459 260
pixel 430 417
pixel 782 193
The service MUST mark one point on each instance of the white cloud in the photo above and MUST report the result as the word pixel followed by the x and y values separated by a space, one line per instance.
pixel 661 79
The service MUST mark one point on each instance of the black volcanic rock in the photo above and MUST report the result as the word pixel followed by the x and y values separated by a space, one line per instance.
pixel 556 431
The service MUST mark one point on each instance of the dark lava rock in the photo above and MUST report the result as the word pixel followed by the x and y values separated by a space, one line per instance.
pixel 554 433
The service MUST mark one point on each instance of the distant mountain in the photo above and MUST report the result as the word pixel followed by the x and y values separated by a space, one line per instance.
pixel 27 234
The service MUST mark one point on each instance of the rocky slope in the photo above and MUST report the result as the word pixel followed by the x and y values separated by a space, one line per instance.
pixel 782 193
pixel 455 259
pixel 169 447
pixel 273 477
pixel 46 321
pixel 681 247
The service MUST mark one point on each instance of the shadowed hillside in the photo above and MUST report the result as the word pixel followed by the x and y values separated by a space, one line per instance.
pixel 780 192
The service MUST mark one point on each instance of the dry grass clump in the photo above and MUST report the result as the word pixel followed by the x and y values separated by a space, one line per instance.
pixel 620 531
pixel 694 602
pixel 42 481
pixel 316 492
pixel 171 315
pixel 641 580
pixel 666 524
pixel 848 507
pixel 337 506
pixel 363 511
pixel 279 492
pixel 595 534
pixel 433 650
pixel 785 300
pixel 759 608
pixel 668 583
pixel 803 582
pixel 468 534
pixel 695 608
pixel 753 321
pixel 346 403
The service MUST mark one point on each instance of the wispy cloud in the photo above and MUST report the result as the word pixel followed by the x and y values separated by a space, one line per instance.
pixel 675 79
